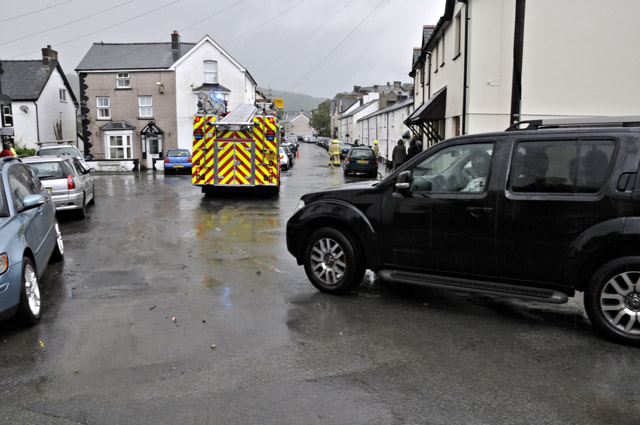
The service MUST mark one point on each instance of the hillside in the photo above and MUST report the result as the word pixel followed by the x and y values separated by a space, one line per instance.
pixel 294 101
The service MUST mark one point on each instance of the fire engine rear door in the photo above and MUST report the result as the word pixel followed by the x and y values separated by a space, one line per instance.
pixel 235 161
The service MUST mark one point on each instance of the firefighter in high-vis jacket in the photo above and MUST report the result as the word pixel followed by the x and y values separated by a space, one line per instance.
pixel 375 147
pixel 334 154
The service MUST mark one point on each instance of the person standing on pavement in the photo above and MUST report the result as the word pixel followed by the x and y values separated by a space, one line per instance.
pixel 5 150
pixel 399 154
pixel 376 150
pixel 13 151
pixel 413 149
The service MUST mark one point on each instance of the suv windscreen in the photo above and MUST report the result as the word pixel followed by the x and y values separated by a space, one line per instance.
pixel 567 166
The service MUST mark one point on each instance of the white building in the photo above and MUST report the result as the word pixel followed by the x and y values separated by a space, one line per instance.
pixel 489 63
pixel 40 105
pixel 386 126
pixel 347 121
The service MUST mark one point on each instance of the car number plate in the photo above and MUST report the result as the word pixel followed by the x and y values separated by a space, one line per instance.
pixel 178 166
pixel 362 161
pixel 270 156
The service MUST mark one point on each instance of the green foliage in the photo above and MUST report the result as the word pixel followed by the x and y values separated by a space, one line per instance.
pixel 320 120
pixel 23 151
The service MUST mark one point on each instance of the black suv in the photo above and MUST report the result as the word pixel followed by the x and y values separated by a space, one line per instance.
pixel 539 211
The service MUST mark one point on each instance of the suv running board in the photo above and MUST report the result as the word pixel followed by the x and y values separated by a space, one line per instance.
pixel 475 286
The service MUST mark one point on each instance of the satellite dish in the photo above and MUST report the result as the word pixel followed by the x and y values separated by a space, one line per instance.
pixel 24 108
pixel 5 100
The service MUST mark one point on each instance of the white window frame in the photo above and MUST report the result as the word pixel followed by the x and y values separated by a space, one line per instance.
pixel 127 144
pixel 106 109
pixel 123 80
pixel 145 109
pixel 7 115
pixel 458 33
pixel 62 94
pixel 210 72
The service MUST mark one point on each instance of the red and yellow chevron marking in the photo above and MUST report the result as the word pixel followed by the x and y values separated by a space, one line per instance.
pixel 197 153
pixel 226 159
pixel 234 135
pixel 209 145
pixel 243 163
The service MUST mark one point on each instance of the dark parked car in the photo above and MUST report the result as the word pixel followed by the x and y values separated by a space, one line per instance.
pixel 537 212
pixel 344 149
pixel 361 161
pixel 29 238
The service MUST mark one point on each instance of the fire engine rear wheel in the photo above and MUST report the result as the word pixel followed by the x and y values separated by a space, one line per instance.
pixel 332 261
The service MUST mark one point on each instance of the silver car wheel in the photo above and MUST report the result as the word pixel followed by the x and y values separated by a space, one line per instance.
pixel 620 302
pixel 32 289
pixel 328 261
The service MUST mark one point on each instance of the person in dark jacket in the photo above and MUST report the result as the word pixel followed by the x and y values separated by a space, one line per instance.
pixel 413 149
pixel 399 154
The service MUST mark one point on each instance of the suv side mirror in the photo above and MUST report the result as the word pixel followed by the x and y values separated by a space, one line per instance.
pixel 403 181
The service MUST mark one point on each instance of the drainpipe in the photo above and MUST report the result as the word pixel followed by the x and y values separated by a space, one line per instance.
pixel 37 123
pixel 518 42
pixel 466 59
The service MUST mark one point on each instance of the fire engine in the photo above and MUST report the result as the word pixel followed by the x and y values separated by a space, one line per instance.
pixel 239 149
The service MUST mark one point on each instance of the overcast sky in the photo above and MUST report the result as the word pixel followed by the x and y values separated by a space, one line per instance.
pixel 315 47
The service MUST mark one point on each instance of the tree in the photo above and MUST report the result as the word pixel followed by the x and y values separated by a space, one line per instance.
pixel 320 119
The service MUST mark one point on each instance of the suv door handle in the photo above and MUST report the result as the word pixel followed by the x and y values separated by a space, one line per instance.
pixel 478 211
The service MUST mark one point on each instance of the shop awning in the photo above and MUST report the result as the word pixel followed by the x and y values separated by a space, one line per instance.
pixel 431 110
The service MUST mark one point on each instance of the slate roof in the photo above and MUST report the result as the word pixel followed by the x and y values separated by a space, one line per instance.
pixel 360 108
pixel 24 80
pixel 393 107
pixel 130 56
pixel 292 115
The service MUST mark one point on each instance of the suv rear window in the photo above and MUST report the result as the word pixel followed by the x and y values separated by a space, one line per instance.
pixel 57 151
pixel 578 166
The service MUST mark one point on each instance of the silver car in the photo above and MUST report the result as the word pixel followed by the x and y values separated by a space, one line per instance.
pixel 49 149
pixel 71 185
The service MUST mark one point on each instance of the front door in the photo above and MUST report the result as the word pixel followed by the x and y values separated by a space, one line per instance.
pixel 153 150
pixel 234 163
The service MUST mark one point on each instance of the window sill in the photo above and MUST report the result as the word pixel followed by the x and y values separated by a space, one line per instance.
pixel 103 119
pixel 145 118
pixel 457 56
pixel 442 65
pixel 123 88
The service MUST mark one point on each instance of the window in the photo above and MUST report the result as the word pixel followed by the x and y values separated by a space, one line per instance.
pixel 463 168
pixel 22 184
pixel 435 57
pixel 458 30
pixel 560 167
pixel 456 126
pixel 104 108
pixel 119 146
pixel 62 93
pixel 123 81
pixel 145 106
pixel 7 116
pixel 210 72
pixel 442 50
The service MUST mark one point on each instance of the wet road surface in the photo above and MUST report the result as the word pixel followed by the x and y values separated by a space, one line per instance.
pixel 176 308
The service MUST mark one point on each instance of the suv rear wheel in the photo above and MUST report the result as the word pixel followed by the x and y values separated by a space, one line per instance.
pixel 332 261
pixel 612 300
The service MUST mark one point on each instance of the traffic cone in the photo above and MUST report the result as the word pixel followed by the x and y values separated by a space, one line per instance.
pixel 298 153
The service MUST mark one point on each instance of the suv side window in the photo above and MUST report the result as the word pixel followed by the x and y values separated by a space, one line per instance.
pixel 573 166
pixel 462 168
pixel 21 183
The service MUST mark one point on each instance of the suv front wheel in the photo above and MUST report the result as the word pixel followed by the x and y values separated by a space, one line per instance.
pixel 332 261
pixel 612 300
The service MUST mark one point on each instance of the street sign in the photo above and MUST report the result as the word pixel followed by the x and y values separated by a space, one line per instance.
pixel 279 103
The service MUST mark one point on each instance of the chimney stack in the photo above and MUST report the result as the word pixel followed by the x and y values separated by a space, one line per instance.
pixel 397 84
pixel 48 55
pixel 175 40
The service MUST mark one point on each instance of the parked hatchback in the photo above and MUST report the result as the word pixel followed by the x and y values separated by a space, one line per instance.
pixel 361 161
pixel 71 185
pixel 177 161
pixel 29 238
pixel 537 212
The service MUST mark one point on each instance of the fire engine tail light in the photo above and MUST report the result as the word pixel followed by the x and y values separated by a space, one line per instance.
pixel 375 161
pixel 70 183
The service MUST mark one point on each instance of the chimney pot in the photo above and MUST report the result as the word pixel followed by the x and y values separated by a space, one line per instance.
pixel 175 40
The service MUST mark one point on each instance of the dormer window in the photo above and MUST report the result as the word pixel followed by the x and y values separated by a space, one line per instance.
pixel 210 72
pixel 123 81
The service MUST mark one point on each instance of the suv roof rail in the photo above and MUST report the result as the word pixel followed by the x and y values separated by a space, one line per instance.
pixel 56 142
pixel 626 121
